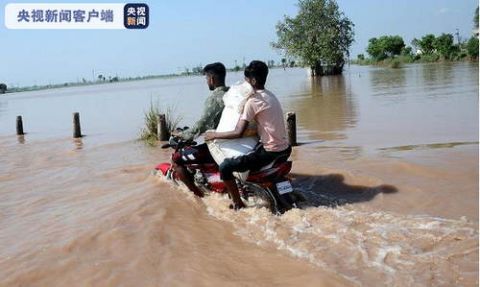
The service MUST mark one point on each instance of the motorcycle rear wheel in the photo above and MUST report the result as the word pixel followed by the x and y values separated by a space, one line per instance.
pixel 262 197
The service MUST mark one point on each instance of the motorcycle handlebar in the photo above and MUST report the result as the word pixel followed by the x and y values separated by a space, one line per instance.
pixel 166 146
pixel 180 143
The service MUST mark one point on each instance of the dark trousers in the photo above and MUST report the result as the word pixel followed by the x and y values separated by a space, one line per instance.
pixel 252 161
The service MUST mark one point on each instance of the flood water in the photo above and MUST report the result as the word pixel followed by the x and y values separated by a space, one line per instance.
pixel 388 162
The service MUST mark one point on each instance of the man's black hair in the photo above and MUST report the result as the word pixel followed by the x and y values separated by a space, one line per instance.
pixel 257 70
pixel 217 70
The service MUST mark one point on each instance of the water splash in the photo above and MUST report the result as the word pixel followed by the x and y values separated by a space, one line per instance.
pixel 365 247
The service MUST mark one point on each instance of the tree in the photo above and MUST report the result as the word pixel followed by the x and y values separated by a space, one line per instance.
pixel 361 57
pixel 475 18
pixel 472 47
pixel 320 35
pixel 385 47
pixel 375 49
pixel 444 45
pixel 3 88
pixel 394 45
pixel 284 62
pixel 407 51
pixel 425 44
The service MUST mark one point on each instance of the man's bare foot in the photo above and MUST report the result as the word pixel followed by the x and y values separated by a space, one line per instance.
pixel 236 206
pixel 199 193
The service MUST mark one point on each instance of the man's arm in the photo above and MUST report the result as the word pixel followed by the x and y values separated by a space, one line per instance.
pixel 236 133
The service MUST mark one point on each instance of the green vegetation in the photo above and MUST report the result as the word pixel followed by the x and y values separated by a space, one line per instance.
pixel 391 50
pixel 395 64
pixel 3 88
pixel 149 134
pixel 385 47
pixel 441 47
pixel 475 18
pixel 472 44
pixel 472 47
pixel 320 36
pixel 445 47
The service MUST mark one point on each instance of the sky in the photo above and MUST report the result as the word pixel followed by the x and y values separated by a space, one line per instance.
pixel 184 34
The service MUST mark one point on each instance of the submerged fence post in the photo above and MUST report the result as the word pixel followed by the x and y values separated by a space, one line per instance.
pixel 292 128
pixel 77 133
pixel 162 132
pixel 19 126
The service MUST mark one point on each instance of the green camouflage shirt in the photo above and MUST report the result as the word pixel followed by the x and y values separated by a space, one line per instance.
pixel 211 114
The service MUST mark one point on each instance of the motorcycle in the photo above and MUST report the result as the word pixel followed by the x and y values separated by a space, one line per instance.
pixel 269 186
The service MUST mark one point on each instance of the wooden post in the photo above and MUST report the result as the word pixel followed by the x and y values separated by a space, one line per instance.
pixel 162 132
pixel 77 133
pixel 292 128
pixel 19 126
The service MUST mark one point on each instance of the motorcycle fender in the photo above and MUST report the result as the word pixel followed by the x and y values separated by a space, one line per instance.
pixel 163 168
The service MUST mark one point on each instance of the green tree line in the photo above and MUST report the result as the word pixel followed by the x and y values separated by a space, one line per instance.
pixel 429 48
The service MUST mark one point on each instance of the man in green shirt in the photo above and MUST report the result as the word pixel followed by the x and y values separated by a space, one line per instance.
pixel 212 112
pixel 215 76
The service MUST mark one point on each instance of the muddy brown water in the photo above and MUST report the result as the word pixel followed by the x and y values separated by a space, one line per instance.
pixel 388 163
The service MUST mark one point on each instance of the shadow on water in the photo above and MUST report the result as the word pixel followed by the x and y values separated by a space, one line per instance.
pixel 331 190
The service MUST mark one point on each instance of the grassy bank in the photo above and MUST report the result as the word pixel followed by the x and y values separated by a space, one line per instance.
pixel 398 61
